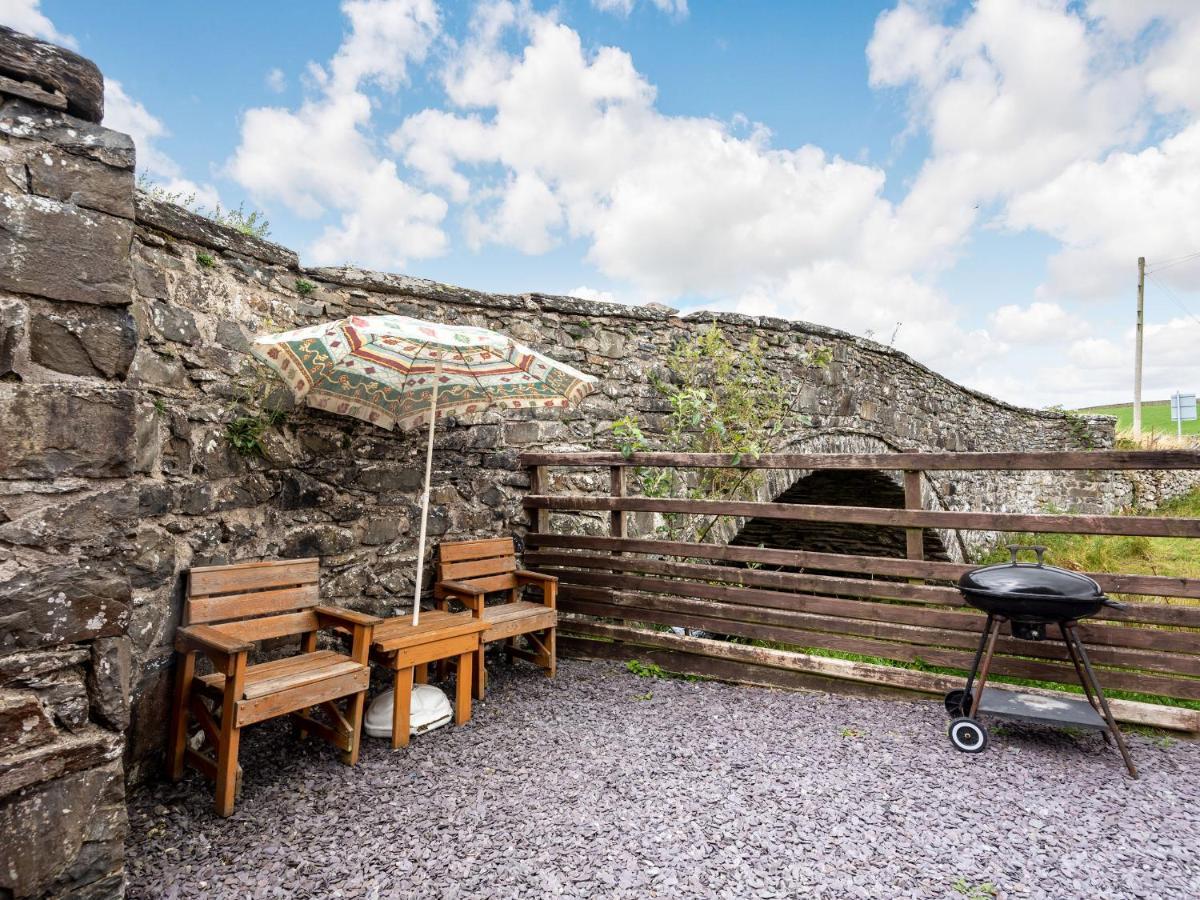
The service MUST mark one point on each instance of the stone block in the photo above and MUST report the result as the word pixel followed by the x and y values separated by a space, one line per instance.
pixel 33 234
pixel 298 490
pixel 108 681
pixel 55 70
pixel 383 530
pixel 93 517
pixel 232 336
pixel 14 327
pixel 63 835
pixel 23 721
pixel 152 369
pixel 316 540
pixel 82 340
pixel 150 280
pixel 174 323
pixel 54 431
pixel 79 180
pixel 49 599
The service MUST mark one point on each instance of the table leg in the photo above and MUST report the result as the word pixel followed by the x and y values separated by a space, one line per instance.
pixel 421 673
pixel 462 690
pixel 402 708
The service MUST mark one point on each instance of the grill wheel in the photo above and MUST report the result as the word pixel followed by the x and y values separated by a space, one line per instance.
pixel 968 736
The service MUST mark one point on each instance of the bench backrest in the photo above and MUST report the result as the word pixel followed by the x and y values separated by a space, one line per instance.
pixel 255 601
pixel 487 565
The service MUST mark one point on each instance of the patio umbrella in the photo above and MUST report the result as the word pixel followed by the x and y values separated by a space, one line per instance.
pixel 395 370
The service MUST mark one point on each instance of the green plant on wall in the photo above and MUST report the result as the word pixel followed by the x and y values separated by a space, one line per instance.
pixel 253 223
pixel 255 410
pixel 723 399
pixel 304 287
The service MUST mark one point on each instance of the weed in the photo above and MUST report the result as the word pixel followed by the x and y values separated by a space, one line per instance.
pixel 649 695
pixel 851 733
pixel 244 434
pixel 160 406
pixel 654 670
pixel 253 223
pixel 205 259
pixel 304 287
pixel 642 670
pixel 980 891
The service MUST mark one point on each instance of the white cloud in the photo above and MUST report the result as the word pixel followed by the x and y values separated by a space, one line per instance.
pixel 678 8
pixel 1038 323
pixel 26 16
pixel 322 158
pixel 1108 212
pixel 276 81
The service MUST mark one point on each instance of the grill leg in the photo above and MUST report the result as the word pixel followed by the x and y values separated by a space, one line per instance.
pixel 987 629
pixel 1087 688
pixel 1073 638
pixel 986 664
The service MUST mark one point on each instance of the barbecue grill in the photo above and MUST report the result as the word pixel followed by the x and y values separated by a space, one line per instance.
pixel 1031 596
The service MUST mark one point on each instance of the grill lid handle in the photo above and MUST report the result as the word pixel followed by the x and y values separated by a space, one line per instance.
pixel 1039 549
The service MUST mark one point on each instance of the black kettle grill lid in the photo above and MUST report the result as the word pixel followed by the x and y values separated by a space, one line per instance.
pixel 1030 578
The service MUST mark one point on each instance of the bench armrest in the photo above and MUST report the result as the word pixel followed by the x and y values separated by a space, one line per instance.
pixel 460 588
pixel 526 575
pixel 345 616
pixel 209 639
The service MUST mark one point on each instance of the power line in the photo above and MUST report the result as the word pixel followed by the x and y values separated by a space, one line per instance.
pixel 1173 261
pixel 1178 302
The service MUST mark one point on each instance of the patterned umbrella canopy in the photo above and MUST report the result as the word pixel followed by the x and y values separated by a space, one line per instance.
pixel 393 370
pixel 384 369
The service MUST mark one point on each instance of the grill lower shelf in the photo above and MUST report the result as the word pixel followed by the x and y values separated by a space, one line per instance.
pixel 1073 711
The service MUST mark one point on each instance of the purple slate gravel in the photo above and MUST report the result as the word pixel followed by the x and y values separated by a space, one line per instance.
pixel 603 784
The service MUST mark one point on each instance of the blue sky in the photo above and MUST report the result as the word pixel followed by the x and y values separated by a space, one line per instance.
pixel 976 178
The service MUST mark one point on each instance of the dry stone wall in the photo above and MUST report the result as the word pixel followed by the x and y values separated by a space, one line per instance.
pixel 68 503
pixel 124 326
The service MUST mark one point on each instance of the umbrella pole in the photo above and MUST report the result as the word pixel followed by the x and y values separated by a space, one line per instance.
pixel 425 498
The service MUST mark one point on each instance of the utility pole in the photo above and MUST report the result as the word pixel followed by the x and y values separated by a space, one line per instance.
pixel 1137 354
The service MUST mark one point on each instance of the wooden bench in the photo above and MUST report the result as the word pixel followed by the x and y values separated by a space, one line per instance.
pixel 468 571
pixel 227 609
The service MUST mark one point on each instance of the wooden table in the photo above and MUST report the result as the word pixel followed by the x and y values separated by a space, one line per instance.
pixel 407 651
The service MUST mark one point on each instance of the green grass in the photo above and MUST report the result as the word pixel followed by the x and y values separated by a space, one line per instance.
pixel 1156 416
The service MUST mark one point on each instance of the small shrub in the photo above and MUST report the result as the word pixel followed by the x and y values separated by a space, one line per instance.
pixel 205 259
pixel 304 287
pixel 160 406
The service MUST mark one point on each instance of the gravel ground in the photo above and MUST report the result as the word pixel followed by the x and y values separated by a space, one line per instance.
pixel 602 784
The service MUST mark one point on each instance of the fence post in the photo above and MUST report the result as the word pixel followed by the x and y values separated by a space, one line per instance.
pixel 914 537
pixel 539 484
pixel 619 526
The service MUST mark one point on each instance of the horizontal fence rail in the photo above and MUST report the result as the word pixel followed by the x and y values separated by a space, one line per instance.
pixel 620 594
pixel 1082 460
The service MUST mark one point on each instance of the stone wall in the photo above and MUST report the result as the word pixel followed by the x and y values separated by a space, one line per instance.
pixel 67 501
pixel 124 325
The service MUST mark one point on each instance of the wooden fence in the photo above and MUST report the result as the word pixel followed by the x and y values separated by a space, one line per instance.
pixel 617 592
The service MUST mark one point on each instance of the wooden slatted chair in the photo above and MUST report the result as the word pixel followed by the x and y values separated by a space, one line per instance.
pixel 227 609
pixel 468 571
